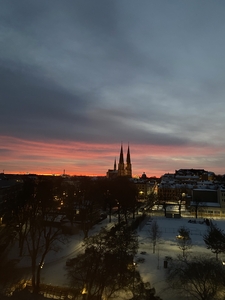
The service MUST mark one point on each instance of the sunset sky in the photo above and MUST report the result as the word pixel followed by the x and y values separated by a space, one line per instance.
pixel 78 78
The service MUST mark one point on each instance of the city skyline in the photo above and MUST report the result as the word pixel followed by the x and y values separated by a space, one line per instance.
pixel 80 78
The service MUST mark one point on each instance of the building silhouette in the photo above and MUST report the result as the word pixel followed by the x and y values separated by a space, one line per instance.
pixel 124 168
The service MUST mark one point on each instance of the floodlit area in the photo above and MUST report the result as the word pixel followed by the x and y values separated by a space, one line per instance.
pixel 152 266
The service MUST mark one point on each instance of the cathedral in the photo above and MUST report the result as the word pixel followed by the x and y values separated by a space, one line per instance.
pixel 124 169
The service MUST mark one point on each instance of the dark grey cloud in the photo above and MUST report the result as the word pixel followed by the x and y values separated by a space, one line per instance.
pixel 145 71
pixel 39 108
pixel 32 105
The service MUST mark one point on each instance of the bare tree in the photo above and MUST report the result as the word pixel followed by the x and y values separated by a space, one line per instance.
pixel 154 234
pixel 196 202
pixel 125 193
pixel 183 239
pixel 9 274
pixel 40 240
pixel 152 198
pixel 200 278
pixel 40 232
pixel 89 200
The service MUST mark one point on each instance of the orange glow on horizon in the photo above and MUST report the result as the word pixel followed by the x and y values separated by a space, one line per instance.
pixel 19 156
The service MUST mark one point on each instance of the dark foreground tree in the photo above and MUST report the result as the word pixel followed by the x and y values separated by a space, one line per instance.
pixel 107 266
pixel 88 201
pixel 8 272
pixel 200 278
pixel 40 232
pixel 215 239
pixel 184 240
pixel 125 194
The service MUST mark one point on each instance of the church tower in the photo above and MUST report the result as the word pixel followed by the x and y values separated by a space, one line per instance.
pixel 128 164
pixel 121 169
pixel 114 165
pixel 125 169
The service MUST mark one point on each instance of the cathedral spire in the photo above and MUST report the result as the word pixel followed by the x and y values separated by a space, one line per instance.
pixel 121 169
pixel 128 169
pixel 121 155
pixel 128 155
pixel 124 169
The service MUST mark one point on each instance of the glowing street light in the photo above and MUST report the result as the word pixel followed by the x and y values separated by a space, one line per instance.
pixel 134 264
pixel 84 292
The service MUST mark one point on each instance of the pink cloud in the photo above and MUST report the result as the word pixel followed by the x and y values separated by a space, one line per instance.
pixel 78 158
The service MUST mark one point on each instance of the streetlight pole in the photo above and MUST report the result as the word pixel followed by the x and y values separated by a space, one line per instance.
pixel 118 203
pixel 179 202
pixel 134 264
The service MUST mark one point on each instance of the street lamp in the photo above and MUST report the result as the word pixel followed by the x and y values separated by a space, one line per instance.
pixel 134 264
pixel 84 292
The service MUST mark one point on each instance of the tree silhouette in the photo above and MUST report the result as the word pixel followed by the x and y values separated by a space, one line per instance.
pixel 200 278
pixel 154 233
pixel 183 239
pixel 125 193
pixel 215 239
pixel 106 266
pixel 40 233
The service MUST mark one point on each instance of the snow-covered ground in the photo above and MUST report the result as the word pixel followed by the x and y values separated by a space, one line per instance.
pixel 152 269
